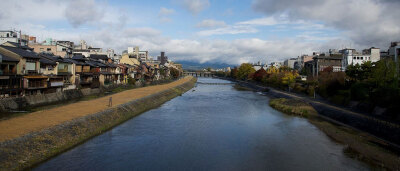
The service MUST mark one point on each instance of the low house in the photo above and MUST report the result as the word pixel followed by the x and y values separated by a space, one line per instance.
pixel 29 67
pixel 10 81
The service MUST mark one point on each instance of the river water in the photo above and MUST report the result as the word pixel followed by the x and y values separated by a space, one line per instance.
pixel 211 127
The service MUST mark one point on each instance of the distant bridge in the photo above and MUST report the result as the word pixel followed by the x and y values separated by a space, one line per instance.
pixel 199 73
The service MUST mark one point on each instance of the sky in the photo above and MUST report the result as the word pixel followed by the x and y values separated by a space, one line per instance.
pixel 216 31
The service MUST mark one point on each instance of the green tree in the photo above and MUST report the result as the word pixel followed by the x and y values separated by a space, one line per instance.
pixel 244 71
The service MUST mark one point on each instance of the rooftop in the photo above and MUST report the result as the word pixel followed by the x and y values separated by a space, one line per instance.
pixel 21 52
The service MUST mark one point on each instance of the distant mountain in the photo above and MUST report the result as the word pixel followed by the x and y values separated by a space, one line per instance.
pixel 190 65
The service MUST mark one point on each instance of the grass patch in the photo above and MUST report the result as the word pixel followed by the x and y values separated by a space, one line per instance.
pixel 293 107
pixel 359 145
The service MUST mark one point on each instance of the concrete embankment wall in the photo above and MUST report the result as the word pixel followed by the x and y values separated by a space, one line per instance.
pixel 21 103
pixel 23 152
pixel 379 128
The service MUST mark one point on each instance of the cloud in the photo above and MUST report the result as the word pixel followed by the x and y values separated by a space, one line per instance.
pixel 80 12
pixel 195 6
pixel 266 21
pixel 18 12
pixel 210 23
pixel 236 29
pixel 164 13
pixel 141 32
pixel 228 12
pixel 366 22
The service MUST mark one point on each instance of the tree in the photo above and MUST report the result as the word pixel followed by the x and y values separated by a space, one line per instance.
pixel 260 74
pixel 174 72
pixel 289 78
pixel 244 71
pixel 233 73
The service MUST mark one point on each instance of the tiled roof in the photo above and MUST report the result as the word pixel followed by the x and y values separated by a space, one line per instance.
pixel 74 61
pixel 21 52
pixel 8 59
pixel 78 57
pixel 94 56
pixel 47 61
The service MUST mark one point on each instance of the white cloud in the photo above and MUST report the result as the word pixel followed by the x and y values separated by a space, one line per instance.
pixel 18 12
pixel 165 11
pixel 210 23
pixel 366 22
pixel 195 6
pixel 266 21
pixel 236 29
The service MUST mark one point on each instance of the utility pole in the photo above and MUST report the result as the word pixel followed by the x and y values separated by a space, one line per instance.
pixel 20 38
pixel 396 60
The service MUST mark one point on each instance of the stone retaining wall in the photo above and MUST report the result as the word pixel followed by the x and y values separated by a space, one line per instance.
pixel 21 103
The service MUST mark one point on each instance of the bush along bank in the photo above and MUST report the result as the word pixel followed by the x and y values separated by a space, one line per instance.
pixel 26 151
pixel 358 144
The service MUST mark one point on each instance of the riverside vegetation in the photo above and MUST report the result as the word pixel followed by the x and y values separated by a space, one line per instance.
pixel 372 87
pixel 358 144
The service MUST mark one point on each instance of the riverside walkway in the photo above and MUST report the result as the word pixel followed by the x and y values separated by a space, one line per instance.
pixel 36 121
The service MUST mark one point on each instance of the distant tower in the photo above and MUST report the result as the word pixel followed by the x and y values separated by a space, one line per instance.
pixel 164 58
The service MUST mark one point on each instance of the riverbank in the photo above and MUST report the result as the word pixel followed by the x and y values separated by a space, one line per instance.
pixel 35 137
pixel 18 106
pixel 358 144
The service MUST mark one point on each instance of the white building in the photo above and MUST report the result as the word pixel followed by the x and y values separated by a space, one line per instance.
pixel 8 36
pixel 352 57
pixel 259 65
pixel 276 64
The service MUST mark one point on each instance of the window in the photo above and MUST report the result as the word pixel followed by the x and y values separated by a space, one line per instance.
pixel 358 57
pixel 30 66
pixel 354 57
pixel 8 35
pixel 361 58
pixel 48 49
pixel 63 49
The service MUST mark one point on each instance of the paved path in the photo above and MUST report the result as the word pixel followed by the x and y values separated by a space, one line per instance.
pixel 36 121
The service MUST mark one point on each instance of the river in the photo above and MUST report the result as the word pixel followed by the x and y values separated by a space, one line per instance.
pixel 211 127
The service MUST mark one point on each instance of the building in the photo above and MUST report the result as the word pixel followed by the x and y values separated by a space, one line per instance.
pixel 129 59
pixel 162 58
pixel 28 67
pixel 275 64
pixel 352 57
pixel 10 81
pixel 394 50
pixel 259 65
pixel 290 62
pixel 9 36
pixel 321 62
pixel 304 59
